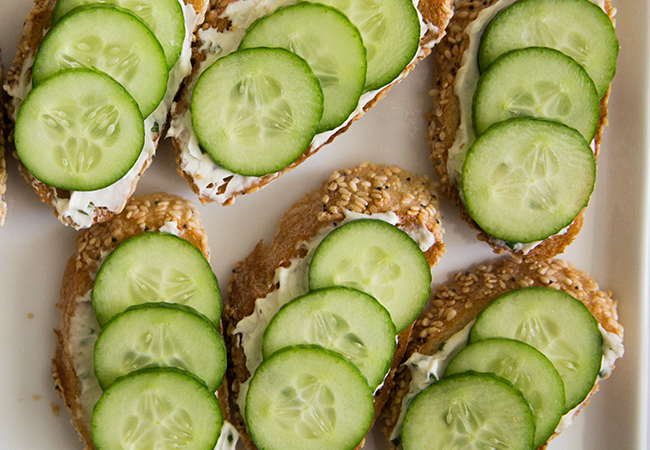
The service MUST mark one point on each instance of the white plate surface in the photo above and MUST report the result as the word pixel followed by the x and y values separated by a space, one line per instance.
pixel 613 245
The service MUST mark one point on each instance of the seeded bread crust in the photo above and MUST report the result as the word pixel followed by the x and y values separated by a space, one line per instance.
pixel 144 213
pixel 436 14
pixel 445 120
pixel 456 304
pixel 365 189
pixel 37 23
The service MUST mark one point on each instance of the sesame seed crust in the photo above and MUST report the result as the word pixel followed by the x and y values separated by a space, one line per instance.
pixel 144 213
pixel 454 305
pixel 444 121
pixel 411 197
pixel 436 13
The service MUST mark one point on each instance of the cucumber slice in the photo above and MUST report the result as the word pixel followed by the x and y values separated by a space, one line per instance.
pixel 527 369
pixel 537 82
pixel 109 39
pixel 255 111
pixel 378 258
pixel 160 335
pixel 468 411
pixel 331 45
pixel 79 131
pixel 340 319
pixel 308 397
pixel 556 324
pixel 391 35
pixel 577 28
pixel 157 409
pixel 155 267
pixel 526 179
pixel 164 17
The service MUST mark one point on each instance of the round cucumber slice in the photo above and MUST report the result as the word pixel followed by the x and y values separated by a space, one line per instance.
pixel 256 110
pixel 157 408
pixel 577 28
pixel 160 335
pixel 308 397
pixel 527 179
pixel 109 39
pixel 378 258
pixel 164 17
pixel 537 82
pixel 79 131
pixel 155 267
pixel 343 320
pixel 468 411
pixel 329 42
pixel 527 369
pixel 391 35
pixel 556 324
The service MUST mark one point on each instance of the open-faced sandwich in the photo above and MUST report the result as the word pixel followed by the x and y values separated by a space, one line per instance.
pixel 3 162
pixel 140 353
pixel 90 91
pixel 317 321
pixel 520 101
pixel 274 81
pixel 506 356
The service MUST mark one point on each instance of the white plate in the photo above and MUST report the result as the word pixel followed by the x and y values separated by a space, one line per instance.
pixel 613 244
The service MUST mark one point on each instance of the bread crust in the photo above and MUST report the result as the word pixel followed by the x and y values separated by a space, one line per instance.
pixel 365 189
pixel 37 23
pixel 445 121
pixel 436 13
pixel 143 213
pixel 456 304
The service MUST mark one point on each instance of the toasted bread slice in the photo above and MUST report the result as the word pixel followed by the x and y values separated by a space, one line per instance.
pixel 366 189
pixel 72 366
pixel 445 121
pixel 215 184
pixel 458 303
pixel 18 83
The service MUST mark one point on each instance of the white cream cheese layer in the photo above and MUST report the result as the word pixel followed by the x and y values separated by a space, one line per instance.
pixel 212 180
pixel 80 207
pixel 292 281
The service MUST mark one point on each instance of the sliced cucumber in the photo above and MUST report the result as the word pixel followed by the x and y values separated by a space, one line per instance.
pixel 526 179
pixel 109 39
pixel 537 82
pixel 308 397
pixel 160 335
pixel 155 267
pixel 578 28
pixel 527 369
pixel 157 409
pixel 164 17
pixel 79 131
pixel 554 323
pixel 331 45
pixel 378 258
pixel 468 411
pixel 340 319
pixel 391 35
pixel 255 111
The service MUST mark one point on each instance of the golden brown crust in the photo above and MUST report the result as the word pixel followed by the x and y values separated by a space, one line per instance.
pixel 445 121
pixel 37 23
pixel 436 13
pixel 365 189
pixel 456 304
pixel 143 213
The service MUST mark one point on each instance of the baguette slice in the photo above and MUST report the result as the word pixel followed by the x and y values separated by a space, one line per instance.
pixel 18 83
pixel 366 189
pixel 445 120
pixel 215 184
pixel 72 367
pixel 458 303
